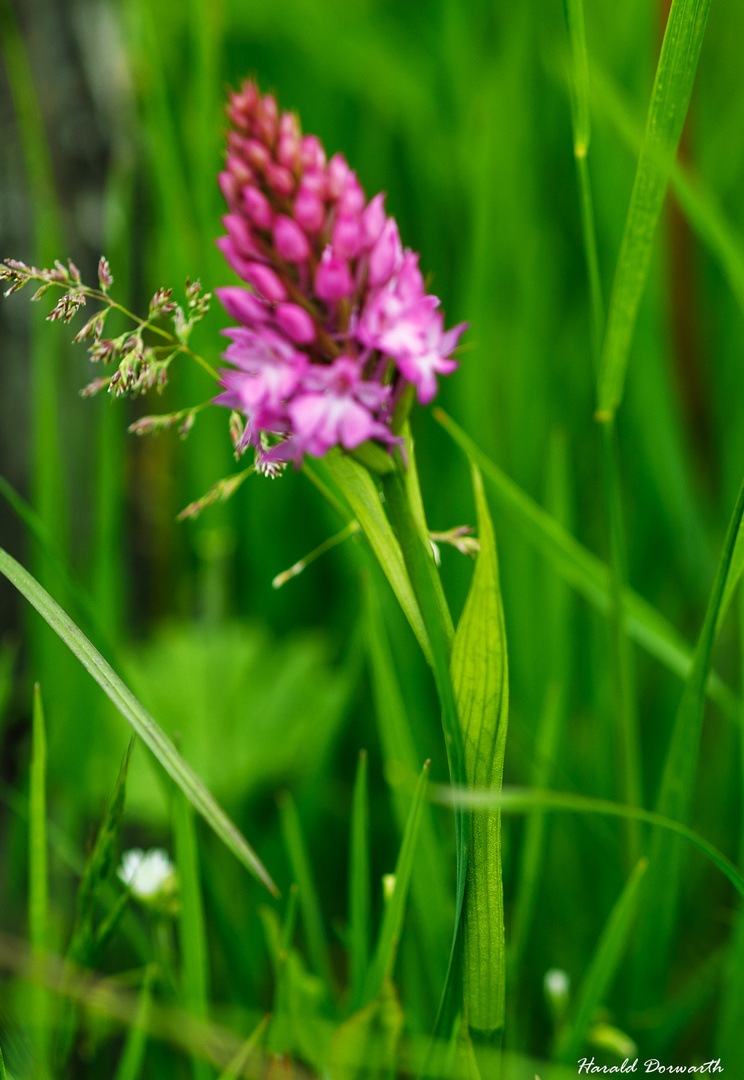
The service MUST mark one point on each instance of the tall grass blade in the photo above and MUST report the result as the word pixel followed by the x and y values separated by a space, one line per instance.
pixel 359 489
pixel 557 616
pixel 513 800
pixel 699 204
pixel 604 964
pixel 386 949
pixel 587 574
pixel 3 1074
pixel 658 918
pixel 312 917
pixel 359 882
pixel 132 1060
pixel 192 929
pixel 239 1064
pixel 38 901
pixel 731 1013
pixel 143 724
pixel 480 679
pixel 670 98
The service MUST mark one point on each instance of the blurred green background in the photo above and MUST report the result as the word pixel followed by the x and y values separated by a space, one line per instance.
pixel 111 129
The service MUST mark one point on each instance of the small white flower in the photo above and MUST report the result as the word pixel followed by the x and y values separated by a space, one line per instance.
pixel 557 984
pixel 148 874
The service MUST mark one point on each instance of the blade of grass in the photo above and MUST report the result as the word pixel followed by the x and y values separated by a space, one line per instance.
pixel 430 890
pixel 699 204
pixel 480 679
pixel 192 931
pixel 624 697
pixel 587 574
pixel 386 949
pixel 675 75
pixel 132 1058
pixel 558 661
pixel 3 1074
pixel 312 917
pixel 38 901
pixel 513 800
pixel 144 725
pixel 658 918
pixel 359 883
pixel 604 964
pixel 239 1064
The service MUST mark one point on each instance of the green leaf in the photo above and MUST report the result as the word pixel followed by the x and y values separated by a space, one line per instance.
pixel 359 882
pixel 133 712
pixel 515 800
pixel 38 901
pixel 658 919
pixel 312 916
pixel 670 98
pixel 192 931
pixel 383 961
pixel 132 1059
pixel 364 1046
pixel 604 964
pixel 237 1067
pixel 480 678
pixel 360 491
pixel 430 886
pixel 587 574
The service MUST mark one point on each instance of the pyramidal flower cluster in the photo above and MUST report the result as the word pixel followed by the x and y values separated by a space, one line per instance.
pixel 335 323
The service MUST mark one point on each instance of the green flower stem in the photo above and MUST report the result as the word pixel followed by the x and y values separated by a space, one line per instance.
pixel 427 587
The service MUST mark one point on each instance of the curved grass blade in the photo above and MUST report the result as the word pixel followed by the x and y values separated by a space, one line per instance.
pixel 38 861
pixel 192 931
pixel 480 680
pixel 587 574
pixel 674 800
pixel 699 205
pixel 515 800
pixel 430 891
pixel 132 1058
pixel 312 916
pixel 359 489
pixel 386 949
pixel 237 1067
pixel 359 882
pixel 604 964
pixel 153 736
pixel 670 98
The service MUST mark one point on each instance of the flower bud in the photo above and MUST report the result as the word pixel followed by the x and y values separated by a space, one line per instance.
pixel 240 234
pixel 373 220
pixel 338 171
pixel 242 305
pixel 229 187
pixel 256 153
pixel 265 281
pixel 266 118
pixel 385 255
pixel 312 154
pixel 235 260
pixel 346 236
pixel 239 169
pixel 309 210
pixel 333 280
pixel 289 240
pixel 279 179
pixel 351 199
pixel 257 207
pixel 296 323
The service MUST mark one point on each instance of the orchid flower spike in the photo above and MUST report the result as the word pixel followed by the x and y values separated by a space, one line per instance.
pixel 334 322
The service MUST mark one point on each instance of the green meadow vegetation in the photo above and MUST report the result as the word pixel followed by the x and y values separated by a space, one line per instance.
pixel 273 689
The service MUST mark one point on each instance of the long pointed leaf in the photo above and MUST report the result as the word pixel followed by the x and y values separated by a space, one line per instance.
pixel 587 574
pixel 670 98
pixel 674 800
pixel 481 683
pixel 599 976
pixel 359 882
pixel 144 725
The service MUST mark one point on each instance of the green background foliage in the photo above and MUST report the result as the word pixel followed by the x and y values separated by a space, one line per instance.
pixel 111 126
